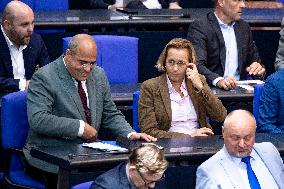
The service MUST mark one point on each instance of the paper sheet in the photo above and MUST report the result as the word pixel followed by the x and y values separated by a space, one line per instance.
pixel 104 147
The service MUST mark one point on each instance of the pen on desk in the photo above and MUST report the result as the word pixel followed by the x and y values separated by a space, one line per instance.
pixel 71 156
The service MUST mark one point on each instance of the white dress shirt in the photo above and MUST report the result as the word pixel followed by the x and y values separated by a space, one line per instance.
pixel 262 173
pixel 231 62
pixel 184 117
pixel 17 61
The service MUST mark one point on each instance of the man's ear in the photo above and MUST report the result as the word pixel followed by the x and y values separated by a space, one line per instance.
pixel 220 3
pixel 132 167
pixel 6 25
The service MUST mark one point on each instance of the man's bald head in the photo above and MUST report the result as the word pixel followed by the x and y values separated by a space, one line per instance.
pixel 239 118
pixel 15 8
pixel 18 23
pixel 81 56
pixel 239 133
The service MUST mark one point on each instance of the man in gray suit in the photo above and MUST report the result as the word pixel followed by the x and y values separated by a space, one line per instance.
pixel 228 168
pixel 279 62
pixel 69 100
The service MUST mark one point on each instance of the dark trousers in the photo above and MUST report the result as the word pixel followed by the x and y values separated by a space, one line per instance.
pixel 48 179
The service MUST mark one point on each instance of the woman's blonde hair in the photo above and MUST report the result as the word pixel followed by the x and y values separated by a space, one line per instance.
pixel 176 43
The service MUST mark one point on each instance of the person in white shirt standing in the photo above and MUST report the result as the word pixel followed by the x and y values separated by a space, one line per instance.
pixel 242 163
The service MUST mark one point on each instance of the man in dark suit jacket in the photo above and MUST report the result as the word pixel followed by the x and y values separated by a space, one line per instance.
pixel 22 51
pixel 140 172
pixel 224 46
pixel 59 112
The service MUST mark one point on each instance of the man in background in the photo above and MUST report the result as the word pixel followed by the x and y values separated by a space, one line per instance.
pixel 224 46
pixel 22 51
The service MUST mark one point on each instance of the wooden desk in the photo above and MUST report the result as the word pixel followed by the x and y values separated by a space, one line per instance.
pixel 193 151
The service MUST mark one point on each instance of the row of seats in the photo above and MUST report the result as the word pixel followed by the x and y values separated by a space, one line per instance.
pixel 15 125
pixel 40 5
pixel 15 129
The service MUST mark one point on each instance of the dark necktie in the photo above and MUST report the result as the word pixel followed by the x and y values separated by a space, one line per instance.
pixel 253 182
pixel 83 97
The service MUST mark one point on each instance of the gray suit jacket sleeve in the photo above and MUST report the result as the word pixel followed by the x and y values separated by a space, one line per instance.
pixel 43 109
pixel 279 62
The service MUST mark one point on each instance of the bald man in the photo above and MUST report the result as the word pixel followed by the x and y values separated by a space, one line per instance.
pixel 22 51
pixel 230 167
pixel 69 100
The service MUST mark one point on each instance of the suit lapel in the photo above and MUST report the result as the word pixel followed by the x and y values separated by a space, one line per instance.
pixel 230 169
pixel 238 34
pixel 266 158
pixel 27 54
pixel 215 25
pixel 68 85
pixel 164 92
pixel 5 55
pixel 193 96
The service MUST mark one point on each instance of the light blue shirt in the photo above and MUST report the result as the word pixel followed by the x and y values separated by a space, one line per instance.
pixel 231 62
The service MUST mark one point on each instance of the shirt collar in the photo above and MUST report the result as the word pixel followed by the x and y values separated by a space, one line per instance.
pixel 238 160
pixel 10 43
pixel 222 24
pixel 172 89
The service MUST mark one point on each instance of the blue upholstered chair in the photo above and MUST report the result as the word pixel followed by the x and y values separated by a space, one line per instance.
pixel 50 5
pixel 256 99
pixel 3 3
pixel 117 55
pixel 15 128
pixel 136 95
pixel 85 185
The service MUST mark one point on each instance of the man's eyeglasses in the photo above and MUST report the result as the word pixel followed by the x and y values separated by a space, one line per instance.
pixel 149 182
pixel 178 63
pixel 84 64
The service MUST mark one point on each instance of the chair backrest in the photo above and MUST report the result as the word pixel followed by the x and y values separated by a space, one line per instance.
pixel 49 5
pixel 136 95
pixel 117 55
pixel 85 185
pixel 256 99
pixel 14 121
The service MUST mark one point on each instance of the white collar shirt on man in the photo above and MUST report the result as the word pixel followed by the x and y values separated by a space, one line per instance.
pixel 17 61
pixel 231 61
pixel 184 117
pixel 262 173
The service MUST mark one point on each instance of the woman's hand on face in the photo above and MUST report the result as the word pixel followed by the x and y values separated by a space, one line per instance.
pixel 193 75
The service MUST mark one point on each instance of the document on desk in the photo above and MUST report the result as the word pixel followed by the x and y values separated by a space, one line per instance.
pixel 248 84
pixel 101 146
